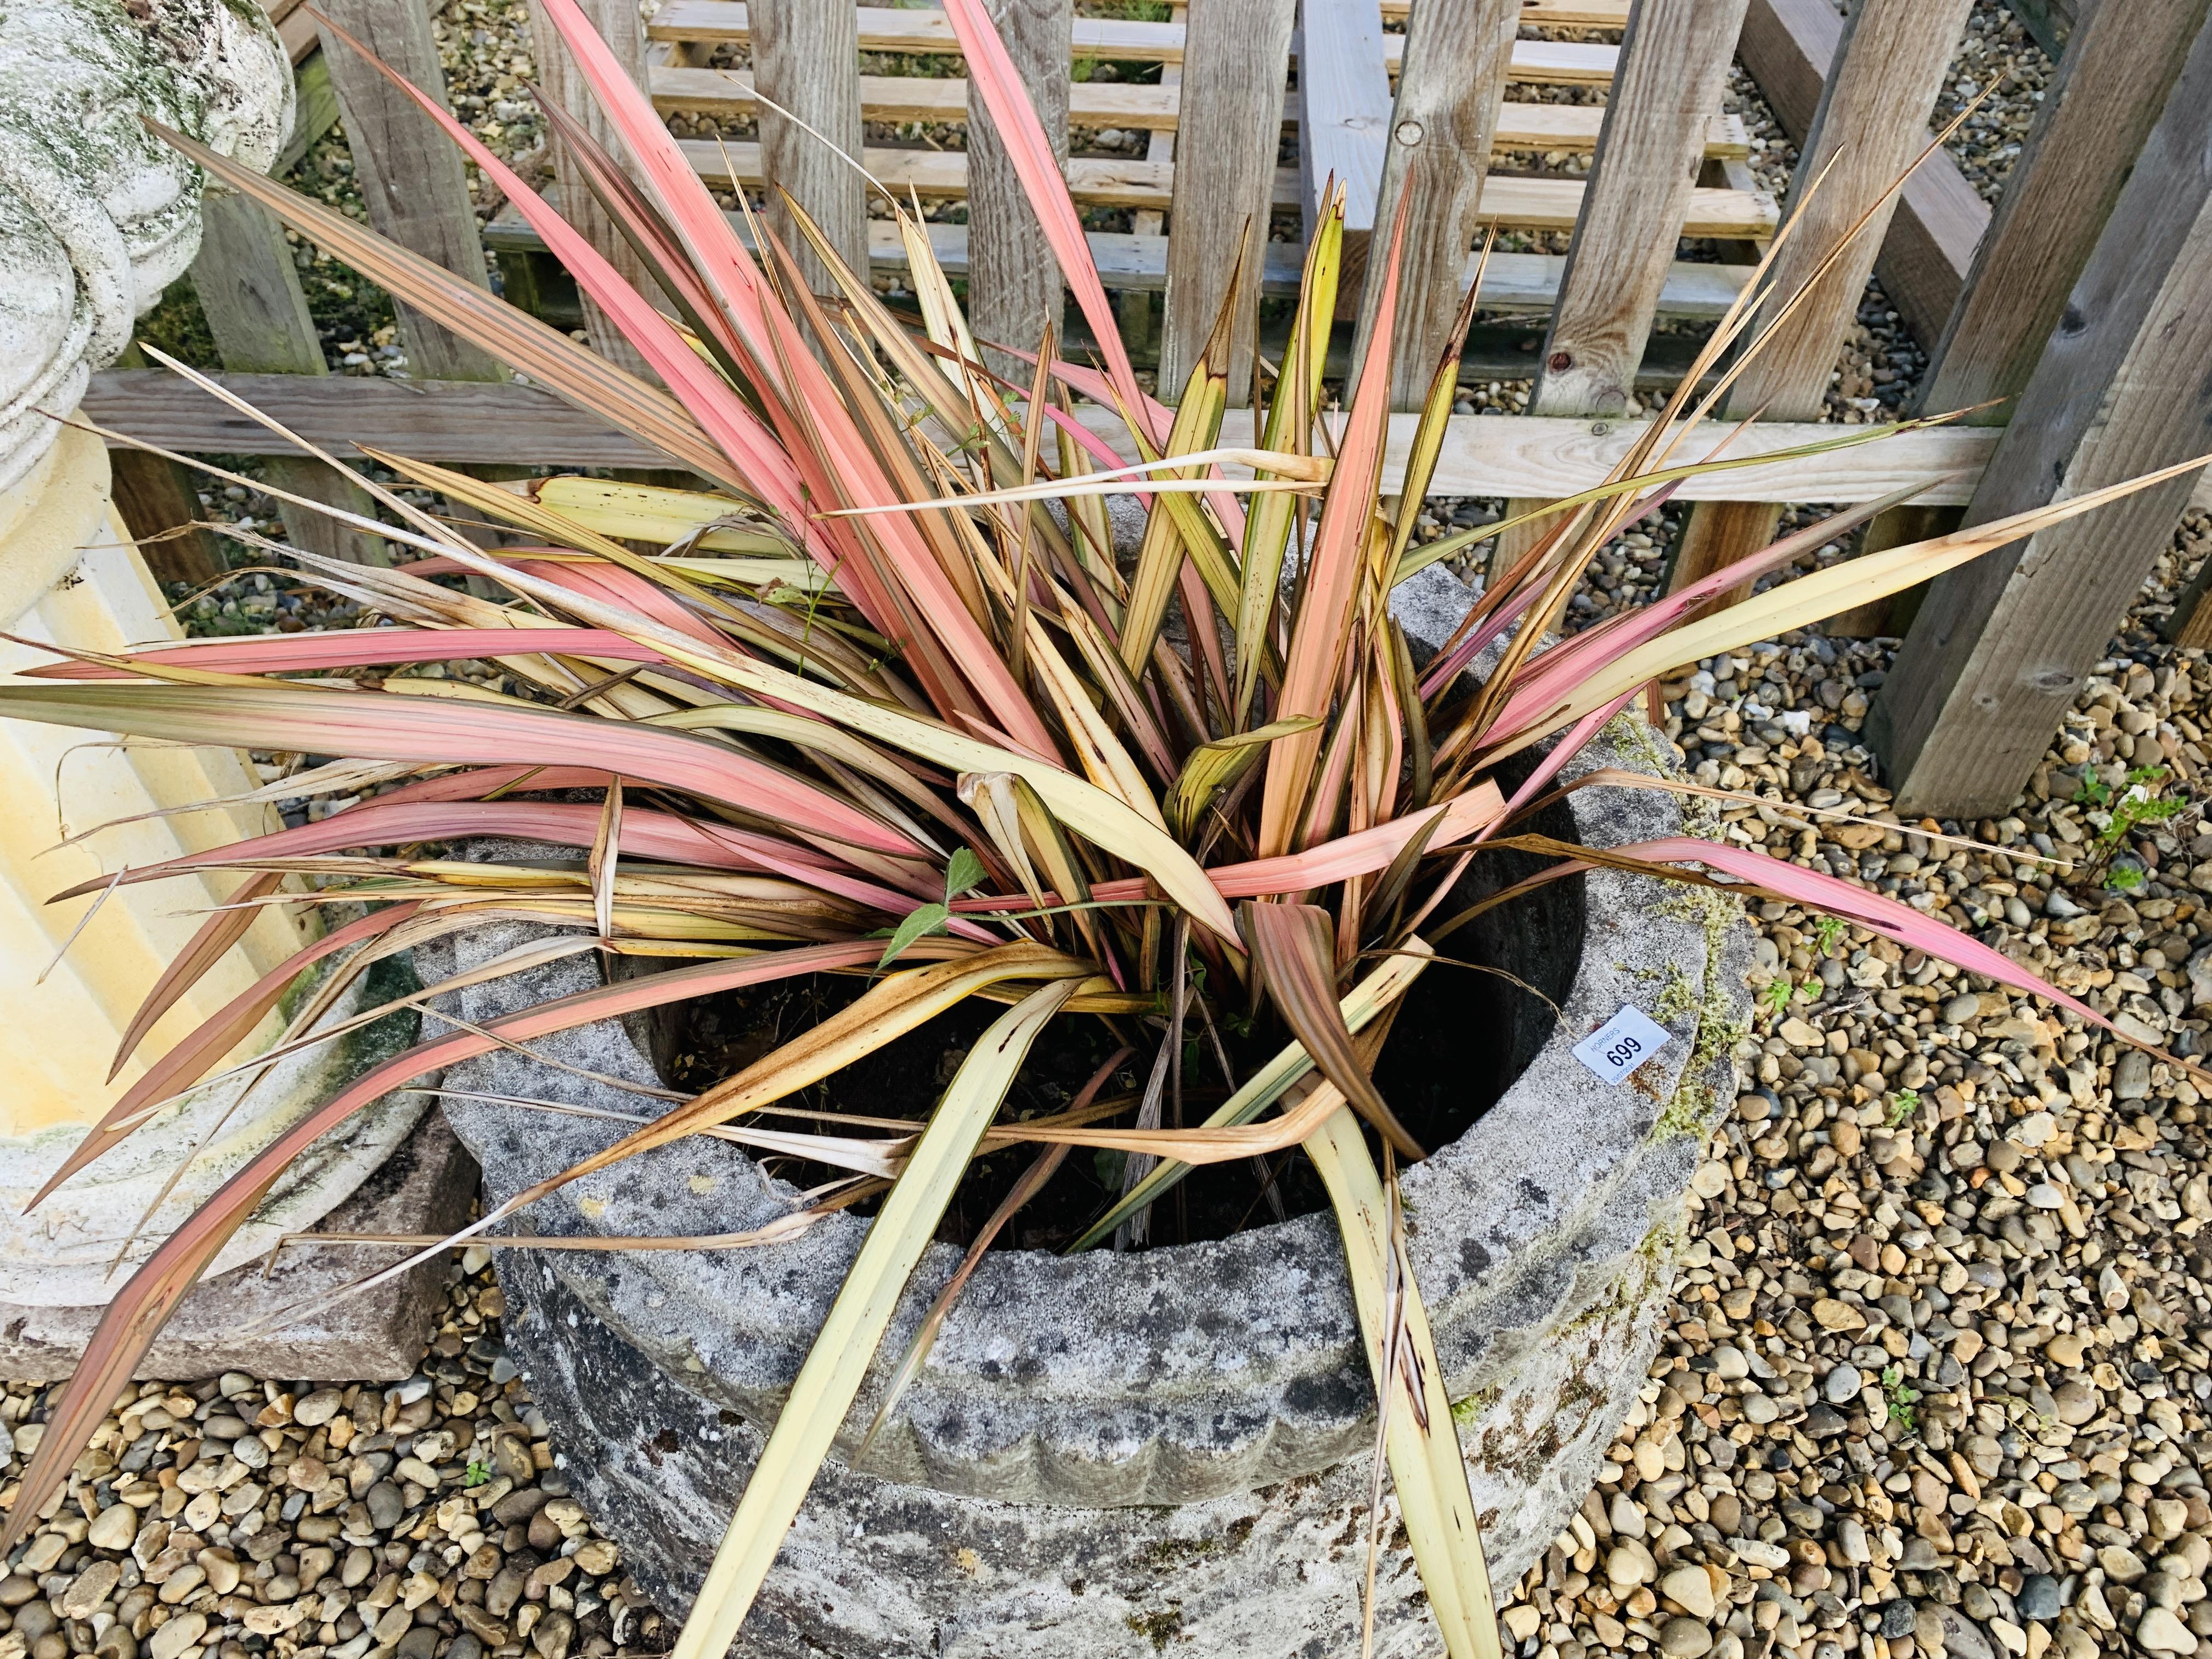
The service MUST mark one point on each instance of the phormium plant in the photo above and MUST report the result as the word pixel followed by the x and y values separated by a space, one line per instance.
pixel 880 710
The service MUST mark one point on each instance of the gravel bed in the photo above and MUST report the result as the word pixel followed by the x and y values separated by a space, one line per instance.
pixel 235 1516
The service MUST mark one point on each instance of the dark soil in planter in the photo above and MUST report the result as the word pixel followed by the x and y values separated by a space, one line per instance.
pixel 1466 1030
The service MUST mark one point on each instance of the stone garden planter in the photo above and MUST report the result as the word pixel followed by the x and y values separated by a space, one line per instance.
pixel 1116 1455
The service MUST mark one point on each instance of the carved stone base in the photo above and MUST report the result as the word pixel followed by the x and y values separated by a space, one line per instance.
pixel 425 1187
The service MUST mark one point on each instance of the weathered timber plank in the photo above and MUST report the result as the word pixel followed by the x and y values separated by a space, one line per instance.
pixel 1234 73
pixel 1528 204
pixel 713 22
pixel 1483 455
pixel 2002 646
pixel 2049 22
pixel 616 22
pixel 1787 46
pixel 1139 318
pixel 295 27
pixel 1675 60
pixel 410 175
pixel 1013 279
pixel 1344 111
pixel 1438 141
pixel 806 57
pixel 315 110
pixel 1870 128
pixel 727 95
pixel 250 294
pixel 2088 132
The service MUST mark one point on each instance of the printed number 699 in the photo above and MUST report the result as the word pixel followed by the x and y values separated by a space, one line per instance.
pixel 1624 1051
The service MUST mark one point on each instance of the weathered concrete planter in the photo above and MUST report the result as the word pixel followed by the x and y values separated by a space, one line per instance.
pixel 1111 1456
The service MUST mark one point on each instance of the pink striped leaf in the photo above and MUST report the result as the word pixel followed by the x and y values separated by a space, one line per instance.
pixel 368 725
pixel 358 647
pixel 991 72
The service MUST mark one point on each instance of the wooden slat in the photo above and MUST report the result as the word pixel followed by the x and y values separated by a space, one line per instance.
pixel 1515 282
pixel 1234 77
pixel 2094 115
pixel 807 61
pixel 1552 14
pixel 920 33
pixel 2049 22
pixel 314 111
pixel 1141 322
pixel 1436 137
pixel 933 99
pixel 1870 128
pixel 2001 647
pixel 616 23
pixel 1675 62
pixel 158 501
pixel 295 27
pixel 160 510
pixel 251 296
pixel 1787 46
pixel 2089 129
pixel 1013 279
pixel 410 175
pixel 1528 203
pixel 466 422
pixel 1344 114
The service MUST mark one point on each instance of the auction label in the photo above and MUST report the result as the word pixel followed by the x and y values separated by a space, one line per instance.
pixel 1621 1045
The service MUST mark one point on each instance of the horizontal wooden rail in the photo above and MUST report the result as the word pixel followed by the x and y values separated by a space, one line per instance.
pixel 727 95
pixel 1514 281
pixel 1521 204
pixel 923 33
pixel 503 423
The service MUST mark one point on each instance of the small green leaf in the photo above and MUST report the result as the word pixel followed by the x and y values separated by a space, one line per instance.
pixel 965 871
pixel 477 1473
pixel 929 919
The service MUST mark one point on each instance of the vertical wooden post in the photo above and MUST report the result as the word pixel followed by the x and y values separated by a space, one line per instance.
pixel 1013 281
pixel 617 21
pixel 1789 46
pixel 2051 23
pixel 1140 313
pixel 807 56
pixel 1674 66
pixel 1871 125
pixel 1451 83
pixel 1343 119
pixel 2109 90
pixel 249 291
pixel 155 500
pixel 410 173
pixel 1236 66
pixel 2002 644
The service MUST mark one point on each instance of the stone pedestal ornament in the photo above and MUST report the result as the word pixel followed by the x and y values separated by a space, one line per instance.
pixel 97 217
pixel 1113 1455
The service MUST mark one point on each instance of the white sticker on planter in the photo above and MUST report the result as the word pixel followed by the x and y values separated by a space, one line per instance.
pixel 1622 1044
